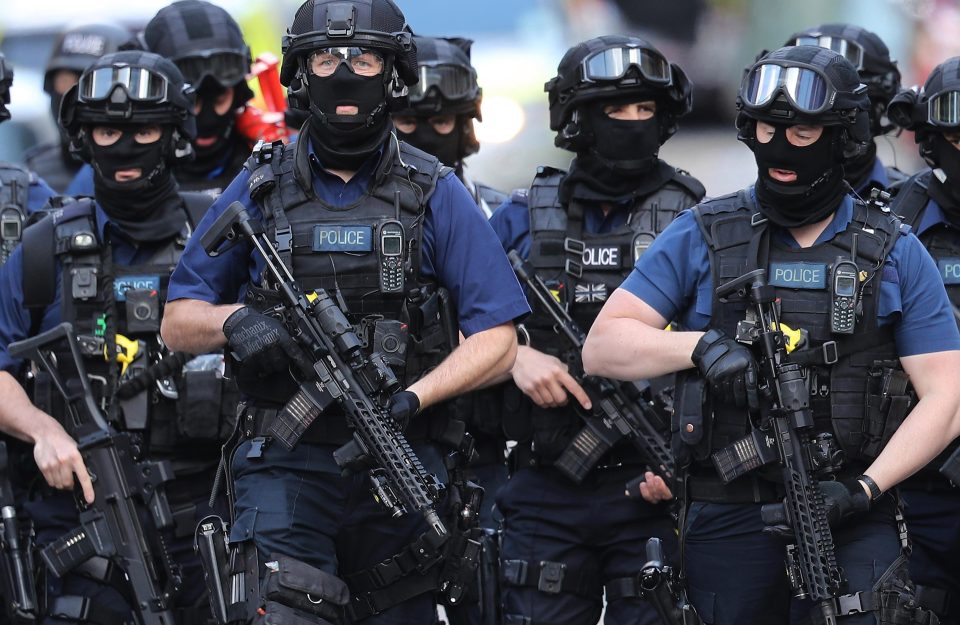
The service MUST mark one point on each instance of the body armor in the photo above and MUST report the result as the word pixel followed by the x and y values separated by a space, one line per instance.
pixel 14 184
pixel 858 390
pixel 182 410
pixel 584 269
pixel 340 249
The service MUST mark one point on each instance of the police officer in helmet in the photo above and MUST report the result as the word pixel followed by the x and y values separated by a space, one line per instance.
pixel 614 102
pixel 22 191
pixel 803 112
pixel 930 203
pixel 443 105
pixel 131 117
pixel 75 49
pixel 869 54
pixel 348 64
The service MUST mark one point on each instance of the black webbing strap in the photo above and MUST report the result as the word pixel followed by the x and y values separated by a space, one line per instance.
pixel 420 556
pixel 39 265
pixel 936 600
pixel 552 578
pixel 832 351
pixel 622 588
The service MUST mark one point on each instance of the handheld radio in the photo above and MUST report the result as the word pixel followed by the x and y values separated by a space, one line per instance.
pixel 843 300
pixel 391 256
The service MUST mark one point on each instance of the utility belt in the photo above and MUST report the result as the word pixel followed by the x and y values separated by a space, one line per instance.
pixel 623 456
pixel 746 489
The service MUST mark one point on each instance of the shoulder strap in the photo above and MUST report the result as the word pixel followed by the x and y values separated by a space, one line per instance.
pixel 691 184
pixel 912 198
pixel 39 259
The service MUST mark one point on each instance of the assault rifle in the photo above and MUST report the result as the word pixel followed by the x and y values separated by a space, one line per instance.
pixel 130 506
pixel 620 409
pixel 341 374
pixel 16 560
pixel 811 560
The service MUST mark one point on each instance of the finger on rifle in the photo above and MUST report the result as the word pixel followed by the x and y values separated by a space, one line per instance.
pixel 576 390
pixel 83 477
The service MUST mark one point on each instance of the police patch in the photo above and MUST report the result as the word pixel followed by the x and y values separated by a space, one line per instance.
pixel 949 270
pixel 601 256
pixel 342 238
pixel 590 293
pixel 799 275
pixel 122 284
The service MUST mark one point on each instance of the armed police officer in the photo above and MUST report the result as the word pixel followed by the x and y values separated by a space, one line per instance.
pixel 930 203
pixel 208 47
pixel 443 105
pixel 74 50
pixel 869 54
pixel 22 192
pixel 323 201
pixel 865 298
pixel 614 102
pixel 102 264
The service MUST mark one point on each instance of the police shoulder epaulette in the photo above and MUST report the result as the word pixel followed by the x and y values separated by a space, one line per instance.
pixel 264 152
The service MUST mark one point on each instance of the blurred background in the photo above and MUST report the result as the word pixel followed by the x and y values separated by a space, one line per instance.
pixel 518 44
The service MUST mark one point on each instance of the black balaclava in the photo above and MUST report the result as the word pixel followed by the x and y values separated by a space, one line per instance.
pixel 210 124
pixel 819 186
pixel 621 161
pixel 148 208
pixel 340 141
pixel 946 193
pixel 857 170
pixel 448 148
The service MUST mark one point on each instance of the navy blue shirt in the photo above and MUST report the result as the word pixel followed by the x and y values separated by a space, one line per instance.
pixel 82 183
pixel 37 195
pixel 15 319
pixel 511 222
pixel 460 250
pixel 673 277
pixel 878 178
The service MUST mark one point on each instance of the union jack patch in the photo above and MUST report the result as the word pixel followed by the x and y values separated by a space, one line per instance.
pixel 590 293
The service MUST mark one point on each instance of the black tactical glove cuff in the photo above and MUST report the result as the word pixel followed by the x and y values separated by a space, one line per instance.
pixel 403 407
pixel 859 499
pixel 708 340
pixel 236 317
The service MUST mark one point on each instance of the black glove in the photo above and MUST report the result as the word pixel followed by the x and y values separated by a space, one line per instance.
pixel 842 500
pixel 729 368
pixel 261 342
pixel 403 406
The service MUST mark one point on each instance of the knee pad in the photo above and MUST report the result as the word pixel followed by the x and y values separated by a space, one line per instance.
pixel 295 592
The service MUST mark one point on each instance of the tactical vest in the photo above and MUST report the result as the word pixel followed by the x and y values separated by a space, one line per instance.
pixel 342 250
pixel 585 268
pixel 857 386
pixel 181 409
pixel 943 243
pixel 15 183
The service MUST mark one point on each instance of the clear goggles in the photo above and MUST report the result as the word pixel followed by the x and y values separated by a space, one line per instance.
pixel 226 68
pixel 613 63
pixel 943 109
pixel 361 61
pixel 452 81
pixel 850 50
pixel 140 84
pixel 807 90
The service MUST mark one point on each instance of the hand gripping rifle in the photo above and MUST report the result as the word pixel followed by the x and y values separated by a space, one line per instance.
pixel 130 504
pixel 811 559
pixel 18 588
pixel 341 373
pixel 620 410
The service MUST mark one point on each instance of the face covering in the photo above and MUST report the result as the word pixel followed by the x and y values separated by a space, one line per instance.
pixel 446 147
pixel 346 141
pixel 145 209
pixel 946 193
pixel 856 171
pixel 621 162
pixel 211 124
pixel 815 193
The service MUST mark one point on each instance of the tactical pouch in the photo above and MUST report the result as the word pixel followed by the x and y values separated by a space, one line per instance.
pixel 297 585
pixel 553 429
pixel 207 402
pixel 889 399
pixel 690 431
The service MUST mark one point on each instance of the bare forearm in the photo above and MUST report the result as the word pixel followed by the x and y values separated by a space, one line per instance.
pixel 926 431
pixel 18 416
pixel 628 349
pixel 479 359
pixel 195 326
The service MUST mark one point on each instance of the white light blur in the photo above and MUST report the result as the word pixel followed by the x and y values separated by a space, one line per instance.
pixel 503 119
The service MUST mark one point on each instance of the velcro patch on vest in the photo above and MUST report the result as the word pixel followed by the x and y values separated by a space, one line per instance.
pixel 122 284
pixel 602 256
pixel 798 275
pixel 342 238
pixel 590 293
pixel 949 270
